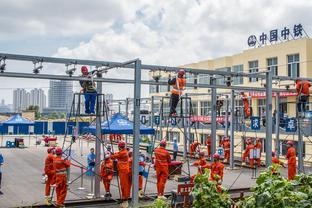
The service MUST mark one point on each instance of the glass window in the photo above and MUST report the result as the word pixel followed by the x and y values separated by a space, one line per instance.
pixel 203 79
pixel 205 108
pixel 272 65
pixel 293 66
pixel 261 107
pixel 238 80
pixel 163 88
pixel 152 88
pixel 220 80
pixel 189 79
pixel 253 67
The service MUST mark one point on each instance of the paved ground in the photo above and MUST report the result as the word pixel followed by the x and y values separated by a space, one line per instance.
pixel 23 168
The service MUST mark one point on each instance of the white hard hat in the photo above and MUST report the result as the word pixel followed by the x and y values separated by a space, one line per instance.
pixel 107 155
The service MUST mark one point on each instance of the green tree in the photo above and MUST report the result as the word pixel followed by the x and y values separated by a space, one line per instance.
pixel 34 108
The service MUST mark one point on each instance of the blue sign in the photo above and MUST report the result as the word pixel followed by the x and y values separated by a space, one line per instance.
pixel 255 123
pixel 157 120
pixel 291 125
pixel 296 32
pixel 173 121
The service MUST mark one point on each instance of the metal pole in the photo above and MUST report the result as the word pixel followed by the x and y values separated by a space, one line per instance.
pixel 300 145
pixel 232 130
pixel 81 179
pixel 127 109
pixel 226 116
pixel 97 181
pixel 152 111
pixel 136 132
pixel 161 112
pixel 268 126
pixel 277 124
pixel 213 117
pixel 185 127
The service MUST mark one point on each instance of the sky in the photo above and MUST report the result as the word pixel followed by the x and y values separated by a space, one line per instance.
pixel 162 32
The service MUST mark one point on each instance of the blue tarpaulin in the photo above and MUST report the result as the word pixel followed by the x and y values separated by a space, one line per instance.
pixel 119 124
pixel 17 120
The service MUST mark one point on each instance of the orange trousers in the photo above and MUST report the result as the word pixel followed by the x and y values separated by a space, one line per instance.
pixel 107 183
pixel 124 184
pixel 61 188
pixel 209 150
pixel 162 174
pixel 291 171
pixel 140 182
pixel 227 155
pixel 258 162
pixel 50 181
pixel 251 163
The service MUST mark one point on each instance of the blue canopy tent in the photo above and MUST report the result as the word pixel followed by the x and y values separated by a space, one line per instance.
pixel 119 124
pixel 21 124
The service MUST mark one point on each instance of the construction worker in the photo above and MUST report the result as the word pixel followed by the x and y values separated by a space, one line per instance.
pixel 141 170
pixel 107 173
pixel 123 171
pixel 162 160
pixel 89 90
pixel 276 161
pixel 291 157
pixel 175 149
pixel 177 90
pixel 50 174
pixel 200 163
pixel 258 147
pixel 91 162
pixel 194 147
pixel 247 112
pixel 303 93
pixel 60 166
pixel 217 169
pixel 219 105
pixel 249 146
pixel 227 149
pixel 208 144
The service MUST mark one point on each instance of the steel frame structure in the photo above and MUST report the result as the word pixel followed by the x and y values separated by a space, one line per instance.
pixel 136 64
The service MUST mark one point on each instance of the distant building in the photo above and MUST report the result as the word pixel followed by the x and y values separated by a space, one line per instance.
pixel 60 96
pixel 20 100
pixel 4 108
pixel 38 98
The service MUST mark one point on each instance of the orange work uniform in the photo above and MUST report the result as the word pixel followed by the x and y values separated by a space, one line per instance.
pixel 276 161
pixel 291 157
pixel 227 147
pixel 107 173
pixel 162 160
pixel 193 148
pixel 208 144
pixel 123 172
pixel 50 172
pixel 247 154
pixel 259 146
pixel 178 86
pixel 60 166
pixel 217 169
pixel 201 163
pixel 246 106
pixel 130 174
pixel 304 87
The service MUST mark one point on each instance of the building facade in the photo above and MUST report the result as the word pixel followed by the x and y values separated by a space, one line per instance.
pixel 38 98
pixel 20 100
pixel 60 96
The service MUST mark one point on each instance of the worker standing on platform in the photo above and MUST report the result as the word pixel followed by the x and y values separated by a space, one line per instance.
pixel 303 93
pixel 50 174
pixel 247 112
pixel 123 171
pixel 107 173
pixel 208 144
pixel 227 149
pixel 291 157
pixel 89 90
pixel 258 147
pixel 162 160
pixel 60 166
pixel 177 90
pixel 249 147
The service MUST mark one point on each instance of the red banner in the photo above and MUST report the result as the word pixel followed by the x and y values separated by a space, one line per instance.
pixel 262 94
pixel 207 119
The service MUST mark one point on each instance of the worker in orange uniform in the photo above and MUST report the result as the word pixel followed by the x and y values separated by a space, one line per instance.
pixel 217 171
pixel 227 147
pixel 258 146
pixel 50 174
pixel 60 166
pixel 276 161
pixel 208 144
pixel 177 90
pixel 303 93
pixel 123 171
pixel 291 157
pixel 249 146
pixel 193 148
pixel 107 173
pixel 162 160
pixel 247 112
pixel 200 163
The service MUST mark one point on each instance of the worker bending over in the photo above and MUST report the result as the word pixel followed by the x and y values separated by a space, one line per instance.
pixel 227 149
pixel 291 157
pixel 194 148
pixel 89 90
pixel 123 171
pixel 162 160
pixel 303 93
pixel 60 166
pixel 247 112
pixel 258 147
pixel 200 164
pixel 249 147
pixel 276 161
pixel 50 174
pixel 107 173
pixel 177 90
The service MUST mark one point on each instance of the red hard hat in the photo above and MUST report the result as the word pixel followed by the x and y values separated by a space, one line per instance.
pixel 122 144
pixel 290 143
pixel 50 149
pixel 58 151
pixel 202 154
pixel 216 156
pixel 163 143
pixel 84 70
pixel 181 72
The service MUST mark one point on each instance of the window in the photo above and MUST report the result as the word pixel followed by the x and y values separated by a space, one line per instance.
pixel 203 138
pixel 240 79
pixel 203 79
pixel 220 80
pixel 272 65
pixel 253 67
pixel 189 79
pixel 152 88
pixel 163 88
pixel 293 66
pixel 205 108
pixel 261 107
pixel 194 110
pixel 174 135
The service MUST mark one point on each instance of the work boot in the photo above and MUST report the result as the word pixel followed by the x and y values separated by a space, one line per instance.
pixel 47 201
pixel 141 194
pixel 124 204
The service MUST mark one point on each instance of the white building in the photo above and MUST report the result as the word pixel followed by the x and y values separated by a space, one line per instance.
pixel 60 96
pixel 38 98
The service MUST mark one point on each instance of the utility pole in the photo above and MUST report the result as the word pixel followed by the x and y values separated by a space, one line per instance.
pixel 213 117
pixel 268 126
